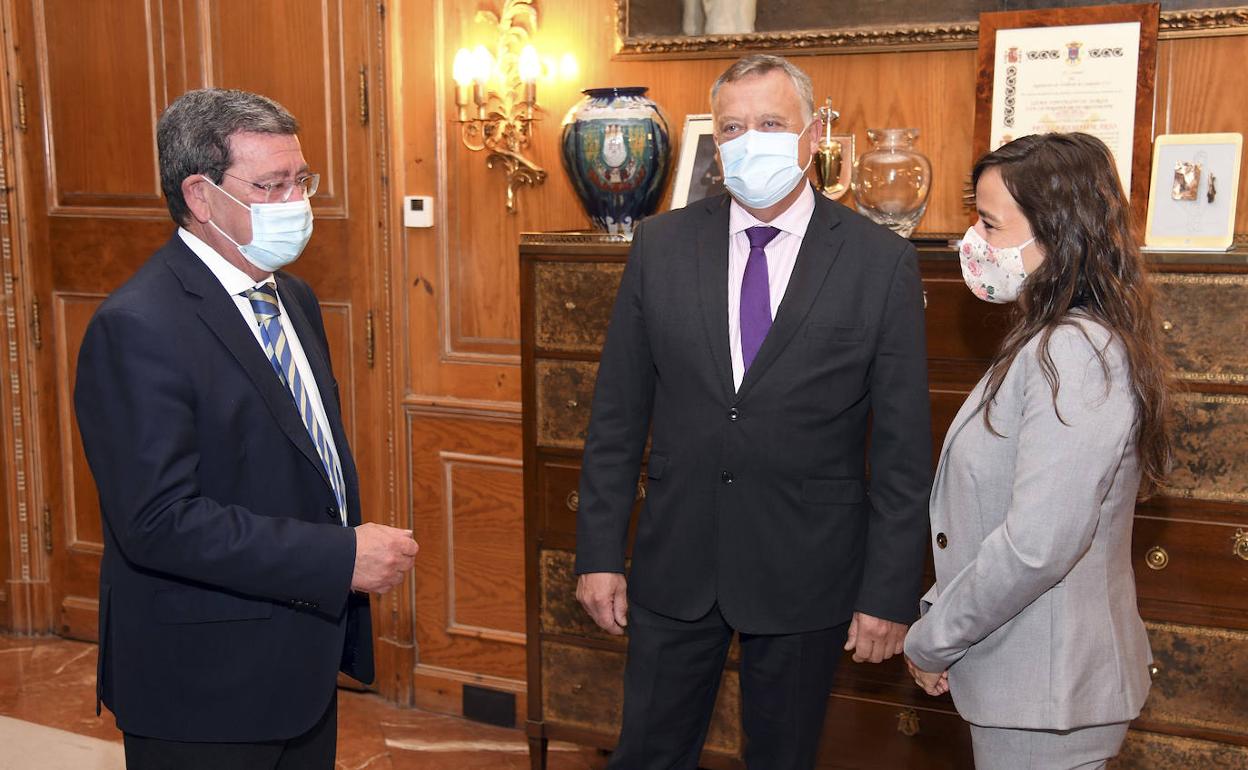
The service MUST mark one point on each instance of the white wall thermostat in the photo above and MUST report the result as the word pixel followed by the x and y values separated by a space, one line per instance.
pixel 418 211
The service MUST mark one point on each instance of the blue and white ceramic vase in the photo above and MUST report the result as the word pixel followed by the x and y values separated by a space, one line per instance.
pixel 617 151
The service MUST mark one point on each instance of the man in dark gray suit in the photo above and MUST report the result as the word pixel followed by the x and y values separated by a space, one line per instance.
pixel 760 338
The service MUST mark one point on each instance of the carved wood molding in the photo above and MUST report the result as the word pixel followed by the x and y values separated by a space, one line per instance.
pixel 953 35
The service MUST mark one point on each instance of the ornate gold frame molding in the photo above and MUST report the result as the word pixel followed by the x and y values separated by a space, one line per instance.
pixel 952 35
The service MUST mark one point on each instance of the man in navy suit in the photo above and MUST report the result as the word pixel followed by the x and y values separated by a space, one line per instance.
pixel 235 577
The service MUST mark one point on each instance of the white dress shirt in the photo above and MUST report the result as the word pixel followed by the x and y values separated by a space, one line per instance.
pixel 236 282
pixel 781 257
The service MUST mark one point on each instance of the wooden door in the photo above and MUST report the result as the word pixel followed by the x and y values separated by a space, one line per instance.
pixel 95 77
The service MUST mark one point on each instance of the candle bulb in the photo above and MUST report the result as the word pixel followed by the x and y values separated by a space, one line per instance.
pixel 482 68
pixel 461 71
pixel 530 67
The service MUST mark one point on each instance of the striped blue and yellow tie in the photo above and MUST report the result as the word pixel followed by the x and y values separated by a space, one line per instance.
pixel 263 301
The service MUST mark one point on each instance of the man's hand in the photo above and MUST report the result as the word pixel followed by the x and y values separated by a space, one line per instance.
pixel 874 639
pixel 931 682
pixel 604 595
pixel 382 555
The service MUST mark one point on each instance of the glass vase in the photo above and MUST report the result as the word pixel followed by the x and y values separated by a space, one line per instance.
pixel 892 180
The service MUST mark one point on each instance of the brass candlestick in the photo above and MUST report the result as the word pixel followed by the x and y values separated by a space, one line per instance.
pixel 834 161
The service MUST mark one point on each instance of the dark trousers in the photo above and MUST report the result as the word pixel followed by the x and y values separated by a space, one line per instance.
pixel 672 676
pixel 314 750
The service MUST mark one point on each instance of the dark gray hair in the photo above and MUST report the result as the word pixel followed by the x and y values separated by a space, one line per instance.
pixel 193 136
pixel 761 64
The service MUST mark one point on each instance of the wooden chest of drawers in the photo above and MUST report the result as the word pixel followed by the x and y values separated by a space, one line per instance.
pixel 1191 545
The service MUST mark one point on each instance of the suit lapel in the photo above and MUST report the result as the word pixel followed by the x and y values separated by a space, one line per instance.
pixel 970 408
pixel 820 248
pixel 712 257
pixel 220 314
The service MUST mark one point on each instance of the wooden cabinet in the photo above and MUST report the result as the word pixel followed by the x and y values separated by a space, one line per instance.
pixel 1191 543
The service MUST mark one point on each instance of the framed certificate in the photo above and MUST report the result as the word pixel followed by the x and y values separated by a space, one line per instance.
pixel 1195 186
pixel 1072 69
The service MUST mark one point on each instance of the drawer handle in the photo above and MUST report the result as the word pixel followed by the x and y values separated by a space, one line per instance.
pixel 572 403
pixel 573 500
pixel 1167 326
pixel 925 299
pixel 1157 558
pixel 908 722
pixel 570 305
pixel 1153 670
pixel 1240 544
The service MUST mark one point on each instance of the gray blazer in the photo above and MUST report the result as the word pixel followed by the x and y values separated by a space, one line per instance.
pixel 1034 612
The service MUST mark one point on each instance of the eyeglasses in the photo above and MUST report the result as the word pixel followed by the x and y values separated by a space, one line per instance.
pixel 280 192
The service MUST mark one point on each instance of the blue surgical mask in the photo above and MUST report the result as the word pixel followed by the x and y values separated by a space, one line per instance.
pixel 760 167
pixel 279 231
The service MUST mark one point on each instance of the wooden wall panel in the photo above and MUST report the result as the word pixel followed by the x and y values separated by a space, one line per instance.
pixel 79 527
pixel 466 488
pixel 82 505
pixel 305 67
pixel 111 40
pixel 485 552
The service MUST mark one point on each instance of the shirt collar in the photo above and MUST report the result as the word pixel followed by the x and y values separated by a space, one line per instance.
pixel 234 280
pixel 792 220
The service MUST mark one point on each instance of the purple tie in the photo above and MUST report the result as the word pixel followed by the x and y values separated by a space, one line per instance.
pixel 755 294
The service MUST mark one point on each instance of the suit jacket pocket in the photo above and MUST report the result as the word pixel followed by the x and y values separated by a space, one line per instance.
pixel 834 333
pixel 833 491
pixel 190 605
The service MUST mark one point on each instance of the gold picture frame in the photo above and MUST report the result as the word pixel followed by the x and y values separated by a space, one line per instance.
pixel 959 28
pixel 1193 192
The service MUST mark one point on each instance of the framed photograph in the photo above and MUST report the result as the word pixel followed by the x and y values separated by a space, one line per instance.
pixel 1194 190
pixel 1091 70
pixel 698 174
pixel 671 29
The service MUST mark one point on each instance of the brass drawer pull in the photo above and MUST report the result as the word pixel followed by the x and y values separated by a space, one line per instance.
pixel 573 500
pixel 1153 670
pixel 569 305
pixel 925 299
pixel 1167 326
pixel 1240 544
pixel 1157 558
pixel 573 403
pixel 908 722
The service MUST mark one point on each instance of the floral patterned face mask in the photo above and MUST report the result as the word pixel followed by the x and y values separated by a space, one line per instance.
pixel 992 274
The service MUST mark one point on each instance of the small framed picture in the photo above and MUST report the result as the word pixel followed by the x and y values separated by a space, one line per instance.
pixel 1193 192
pixel 698 174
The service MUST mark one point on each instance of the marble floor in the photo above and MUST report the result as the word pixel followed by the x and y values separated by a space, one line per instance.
pixel 50 683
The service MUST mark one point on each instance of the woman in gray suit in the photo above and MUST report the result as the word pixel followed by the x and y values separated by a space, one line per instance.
pixel 1032 624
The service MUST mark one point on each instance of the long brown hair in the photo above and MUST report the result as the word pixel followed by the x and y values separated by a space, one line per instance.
pixel 1067 187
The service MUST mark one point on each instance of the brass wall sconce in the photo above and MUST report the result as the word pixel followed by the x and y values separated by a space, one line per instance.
pixel 834 161
pixel 497 95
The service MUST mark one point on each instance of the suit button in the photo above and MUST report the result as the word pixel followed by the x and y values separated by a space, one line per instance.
pixel 332 512
pixel 726 477
pixel 941 540
pixel 734 414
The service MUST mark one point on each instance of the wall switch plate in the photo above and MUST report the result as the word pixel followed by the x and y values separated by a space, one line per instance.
pixel 418 211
